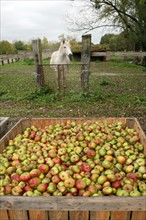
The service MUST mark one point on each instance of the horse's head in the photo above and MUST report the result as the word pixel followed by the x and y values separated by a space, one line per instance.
pixel 65 49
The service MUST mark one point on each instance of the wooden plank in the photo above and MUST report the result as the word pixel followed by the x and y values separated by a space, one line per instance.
pixel 142 136
pixel 74 203
pixel 4 215
pixel 18 214
pixel 58 215
pixel 118 53
pixel 118 215
pixel 137 215
pixel 100 215
pixel 38 215
pixel 79 215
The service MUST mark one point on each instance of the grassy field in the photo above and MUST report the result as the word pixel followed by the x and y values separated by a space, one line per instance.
pixel 116 89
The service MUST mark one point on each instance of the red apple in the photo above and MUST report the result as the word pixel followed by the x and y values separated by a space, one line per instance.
pixel 25 176
pixel 91 153
pixel 42 187
pixel 35 173
pixel 34 182
pixel 116 184
pixel 44 168
pixel 87 168
pixel 15 176
pixel 80 184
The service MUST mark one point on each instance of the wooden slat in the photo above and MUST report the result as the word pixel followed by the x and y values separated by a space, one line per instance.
pixel 58 215
pixel 4 215
pixel 18 214
pixel 142 136
pixel 74 203
pixel 79 215
pixel 118 53
pixel 38 215
pixel 118 215
pixel 138 215
pixel 100 215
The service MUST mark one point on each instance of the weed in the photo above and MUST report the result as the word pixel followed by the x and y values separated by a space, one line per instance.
pixel 97 95
pixel 139 100
pixel 28 61
pixel 104 82
pixel 43 90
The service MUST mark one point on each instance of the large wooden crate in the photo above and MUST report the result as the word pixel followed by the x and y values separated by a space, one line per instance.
pixel 71 208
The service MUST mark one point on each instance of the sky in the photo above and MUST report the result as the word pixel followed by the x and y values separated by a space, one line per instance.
pixel 26 20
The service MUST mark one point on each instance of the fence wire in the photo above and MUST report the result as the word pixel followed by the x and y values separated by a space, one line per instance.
pixel 107 78
pixel 72 81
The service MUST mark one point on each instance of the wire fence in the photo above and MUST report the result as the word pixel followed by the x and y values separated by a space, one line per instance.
pixel 72 81
pixel 68 80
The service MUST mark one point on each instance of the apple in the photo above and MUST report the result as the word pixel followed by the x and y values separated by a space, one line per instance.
pixel 116 184
pixel 54 170
pixel 44 168
pixel 75 168
pixel 34 182
pixel 80 184
pixel 122 192
pixel 25 177
pixel 56 160
pixel 101 179
pixel 27 188
pixel 51 187
pixel 135 193
pixel 35 173
pixel 15 176
pixel 107 190
pixel 55 179
pixel 63 175
pixel 129 168
pixel 111 177
pixel 92 189
pixel 22 184
pixel 7 189
pixel 16 191
pixel 132 176
pixel 2 169
pixel 42 187
pixel 91 153
pixel 107 164
pixel 10 170
pixel 74 158
pixel 69 183
pixel 121 159
pixel 94 177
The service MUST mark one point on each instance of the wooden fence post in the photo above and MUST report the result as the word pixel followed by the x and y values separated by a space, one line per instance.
pixel 37 53
pixel 85 59
pixel 61 77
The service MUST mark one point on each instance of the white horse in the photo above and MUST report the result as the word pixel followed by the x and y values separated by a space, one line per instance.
pixel 60 60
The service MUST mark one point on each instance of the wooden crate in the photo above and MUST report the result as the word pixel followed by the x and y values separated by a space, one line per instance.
pixel 3 125
pixel 71 208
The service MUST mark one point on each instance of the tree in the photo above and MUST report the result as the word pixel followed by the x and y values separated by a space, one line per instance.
pixel 127 15
pixel 7 48
pixel 45 43
pixel 20 45
pixel 116 42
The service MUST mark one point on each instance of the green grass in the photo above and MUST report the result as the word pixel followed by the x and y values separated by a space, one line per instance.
pixel 21 66
pixel 115 89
